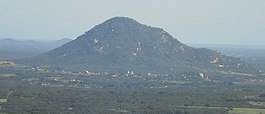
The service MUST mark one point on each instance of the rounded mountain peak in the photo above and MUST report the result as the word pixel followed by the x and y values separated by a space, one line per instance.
pixel 119 23
pixel 125 30
pixel 122 25
pixel 121 19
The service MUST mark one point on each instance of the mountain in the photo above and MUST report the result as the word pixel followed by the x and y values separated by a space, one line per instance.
pixel 63 41
pixel 121 44
pixel 11 49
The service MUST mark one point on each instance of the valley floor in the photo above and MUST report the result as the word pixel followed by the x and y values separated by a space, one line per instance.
pixel 27 90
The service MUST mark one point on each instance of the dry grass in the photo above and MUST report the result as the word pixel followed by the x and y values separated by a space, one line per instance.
pixel 246 111
pixel 3 101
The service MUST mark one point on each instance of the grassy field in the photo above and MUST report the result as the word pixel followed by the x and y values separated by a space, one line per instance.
pixel 7 75
pixel 203 110
pixel 246 111
pixel 11 64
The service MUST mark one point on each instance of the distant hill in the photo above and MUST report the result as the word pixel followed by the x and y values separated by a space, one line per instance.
pixel 121 44
pixel 11 49
pixel 253 55
pixel 235 50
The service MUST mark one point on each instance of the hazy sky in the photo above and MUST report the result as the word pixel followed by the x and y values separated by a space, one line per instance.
pixel 190 21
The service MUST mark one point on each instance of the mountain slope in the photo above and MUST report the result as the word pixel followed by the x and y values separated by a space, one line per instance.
pixel 121 44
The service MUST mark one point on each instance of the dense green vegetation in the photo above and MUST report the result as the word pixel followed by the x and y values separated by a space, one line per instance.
pixel 47 91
